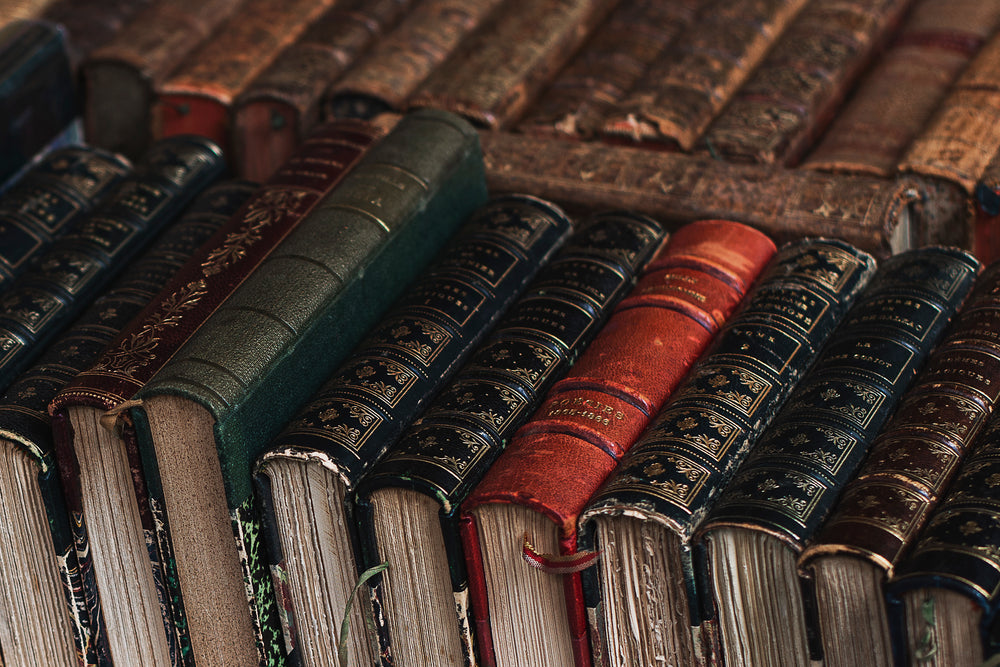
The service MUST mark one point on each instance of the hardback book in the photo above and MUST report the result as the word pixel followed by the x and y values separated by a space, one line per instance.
pixel 60 190
pixel 15 10
pixel 795 91
pixel 120 77
pixel 38 94
pixel 897 96
pixel 902 480
pixel 987 212
pixel 406 506
pixel 96 438
pixel 62 281
pixel 942 597
pixel 54 615
pixel 498 71
pixel 387 76
pixel 91 23
pixel 278 109
pixel 689 83
pixel 880 216
pixel 207 414
pixel 606 66
pixel 643 517
pixel 306 476
pixel 518 524
pixel 750 540
pixel 197 97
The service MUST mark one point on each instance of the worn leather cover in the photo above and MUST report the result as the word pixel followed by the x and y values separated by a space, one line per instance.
pixel 897 96
pixel 793 94
pixel 412 352
pixel 674 472
pixel 49 198
pixel 586 91
pixel 879 216
pixel 455 441
pixel 77 267
pixel 91 23
pixel 282 105
pixel 987 212
pixel 346 262
pixel 684 89
pixel 559 458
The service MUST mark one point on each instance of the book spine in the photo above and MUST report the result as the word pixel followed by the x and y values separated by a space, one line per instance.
pixel 498 72
pixel 793 94
pixel 384 79
pixel 24 418
pixel 896 98
pixel 585 92
pixel 915 457
pixel 987 212
pixel 282 105
pixel 52 196
pixel 684 89
pixel 80 264
pixel 455 441
pixel 879 216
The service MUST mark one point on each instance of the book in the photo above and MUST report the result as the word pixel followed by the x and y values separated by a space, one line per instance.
pixel 791 96
pixel 528 605
pixel 90 23
pixel 752 536
pixel 586 90
pixel 689 83
pixel 79 265
pixel 986 212
pixel 120 77
pixel 60 190
pixel 897 96
pixel 212 408
pixel 644 515
pixel 58 618
pixel 902 479
pixel 498 71
pixel 364 407
pixel 388 75
pixel 880 216
pixel 278 109
pixel 406 505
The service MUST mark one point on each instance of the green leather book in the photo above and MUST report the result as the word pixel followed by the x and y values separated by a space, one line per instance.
pixel 212 409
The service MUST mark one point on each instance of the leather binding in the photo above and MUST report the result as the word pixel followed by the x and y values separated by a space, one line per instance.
pixel 281 106
pixel 792 95
pixel 674 472
pixel 448 450
pixel 987 212
pixel 57 192
pixel 687 86
pixel 43 300
pixel 91 23
pixel 38 96
pixel 898 95
pixel 119 78
pixel 413 351
pixel 789 482
pixel 913 460
pixel 428 170
pixel 498 71
pixel 879 216
pixel 197 98
pixel 559 458
pixel 18 10
pixel 386 77
pixel 598 77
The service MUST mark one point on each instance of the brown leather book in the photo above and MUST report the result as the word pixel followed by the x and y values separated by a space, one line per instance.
pixel 497 73
pixel 880 216
pixel 691 81
pixel 386 77
pixel 198 97
pixel 987 212
pixel 586 91
pixel 282 104
pixel 793 94
pixel 120 77
pixel 91 23
pixel 895 99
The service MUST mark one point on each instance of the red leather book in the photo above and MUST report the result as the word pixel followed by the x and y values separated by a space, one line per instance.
pixel 554 463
